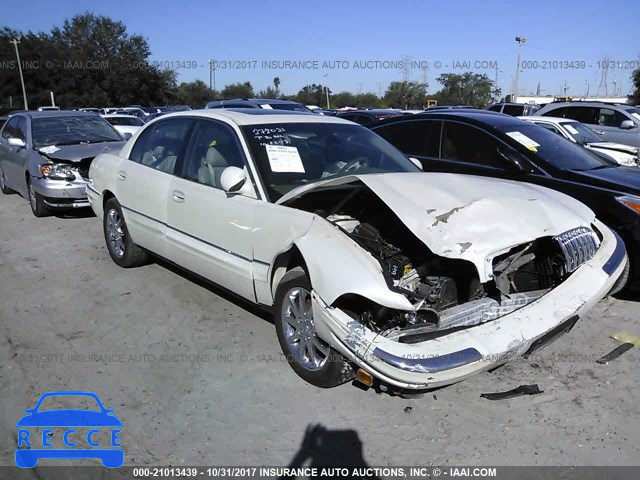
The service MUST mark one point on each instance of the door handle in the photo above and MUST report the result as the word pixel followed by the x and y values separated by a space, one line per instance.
pixel 122 175
pixel 178 196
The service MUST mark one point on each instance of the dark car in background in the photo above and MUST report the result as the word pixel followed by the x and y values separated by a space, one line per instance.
pixel 514 109
pixel 264 103
pixel 369 117
pixel 483 143
pixel 614 122
pixel 45 156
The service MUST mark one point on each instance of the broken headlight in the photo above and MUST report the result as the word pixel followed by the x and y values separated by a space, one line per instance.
pixel 58 171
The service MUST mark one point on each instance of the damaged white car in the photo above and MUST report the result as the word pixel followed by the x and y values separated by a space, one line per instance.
pixel 408 279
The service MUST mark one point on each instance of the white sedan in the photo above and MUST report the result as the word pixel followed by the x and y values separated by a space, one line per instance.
pixel 125 124
pixel 371 267
pixel 580 133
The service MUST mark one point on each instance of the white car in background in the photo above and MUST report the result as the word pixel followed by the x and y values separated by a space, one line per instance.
pixel 580 133
pixel 125 124
pixel 370 266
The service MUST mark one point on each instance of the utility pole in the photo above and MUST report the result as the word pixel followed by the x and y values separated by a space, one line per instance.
pixel 326 86
pixel 210 75
pixel 521 41
pixel 15 42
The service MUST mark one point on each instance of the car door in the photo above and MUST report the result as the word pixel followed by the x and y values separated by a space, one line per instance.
pixel 144 179
pixel 609 127
pixel 14 159
pixel 415 138
pixel 210 232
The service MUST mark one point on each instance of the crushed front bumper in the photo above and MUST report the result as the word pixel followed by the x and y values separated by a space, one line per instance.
pixel 462 353
pixel 60 193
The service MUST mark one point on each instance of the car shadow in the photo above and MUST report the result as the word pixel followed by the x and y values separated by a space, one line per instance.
pixel 325 448
pixel 76 213
pixel 628 295
pixel 262 312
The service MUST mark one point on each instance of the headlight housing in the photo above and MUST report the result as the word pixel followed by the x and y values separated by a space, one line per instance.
pixel 631 202
pixel 58 171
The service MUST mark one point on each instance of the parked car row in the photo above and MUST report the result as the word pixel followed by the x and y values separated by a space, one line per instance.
pixel 372 267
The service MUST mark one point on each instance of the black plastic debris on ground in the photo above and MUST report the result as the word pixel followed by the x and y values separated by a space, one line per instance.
pixel 408 409
pixel 615 353
pixel 516 392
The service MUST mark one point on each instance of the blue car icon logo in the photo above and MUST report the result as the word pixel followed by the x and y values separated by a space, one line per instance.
pixel 33 445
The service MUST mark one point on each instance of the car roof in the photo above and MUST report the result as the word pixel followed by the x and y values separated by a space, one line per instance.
pixel 548 119
pixel 118 115
pixel 587 104
pixel 482 117
pixel 252 116
pixel 57 113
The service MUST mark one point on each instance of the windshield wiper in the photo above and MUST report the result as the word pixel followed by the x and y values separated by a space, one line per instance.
pixel 600 167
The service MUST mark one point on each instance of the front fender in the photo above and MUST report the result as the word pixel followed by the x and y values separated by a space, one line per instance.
pixel 337 266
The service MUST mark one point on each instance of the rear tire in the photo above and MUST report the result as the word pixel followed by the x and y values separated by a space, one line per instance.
pixel 307 354
pixel 3 185
pixel 36 202
pixel 123 251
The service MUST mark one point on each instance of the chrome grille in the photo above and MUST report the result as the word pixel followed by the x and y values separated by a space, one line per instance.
pixel 578 246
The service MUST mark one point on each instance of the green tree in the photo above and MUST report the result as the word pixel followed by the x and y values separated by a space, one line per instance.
pixel 635 78
pixel 276 86
pixel 91 61
pixel 342 99
pixel 196 94
pixel 238 90
pixel 367 100
pixel 269 92
pixel 405 94
pixel 312 95
pixel 468 88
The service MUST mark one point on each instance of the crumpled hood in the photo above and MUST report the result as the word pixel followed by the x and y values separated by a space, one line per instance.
pixel 469 217
pixel 76 153
pixel 616 146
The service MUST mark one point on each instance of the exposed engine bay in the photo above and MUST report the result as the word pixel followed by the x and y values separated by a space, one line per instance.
pixel 446 293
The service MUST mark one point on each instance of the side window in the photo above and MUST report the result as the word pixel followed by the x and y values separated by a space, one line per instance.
pixel 558 112
pixel 513 110
pixel 610 118
pixel 420 138
pixel 364 120
pixel 11 130
pixel 463 143
pixel 495 108
pixel 161 146
pixel 587 115
pixel 213 147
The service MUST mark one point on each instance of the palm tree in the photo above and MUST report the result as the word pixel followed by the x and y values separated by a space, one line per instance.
pixel 276 84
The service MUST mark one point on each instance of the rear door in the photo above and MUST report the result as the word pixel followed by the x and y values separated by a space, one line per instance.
pixel 144 178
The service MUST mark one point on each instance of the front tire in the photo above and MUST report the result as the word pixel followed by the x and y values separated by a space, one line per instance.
pixel 308 355
pixel 123 251
pixel 36 202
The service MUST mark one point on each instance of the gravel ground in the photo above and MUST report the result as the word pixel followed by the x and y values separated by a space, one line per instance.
pixel 196 377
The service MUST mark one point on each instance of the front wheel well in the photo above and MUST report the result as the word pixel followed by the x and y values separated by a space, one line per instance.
pixel 106 196
pixel 284 262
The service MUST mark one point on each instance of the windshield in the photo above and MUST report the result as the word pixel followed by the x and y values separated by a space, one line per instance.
pixel 293 154
pixel 70 130
pixel 553 149
pixel 128 120
pixel 581 133
pixel 634 111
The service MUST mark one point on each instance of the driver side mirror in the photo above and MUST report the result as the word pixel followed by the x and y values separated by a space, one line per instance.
pixel 16 142
pixel 515 160
pixel 233 179
pixel 416 162
pixel 627 124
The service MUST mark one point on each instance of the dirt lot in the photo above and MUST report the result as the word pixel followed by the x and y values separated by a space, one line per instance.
pixel 196 376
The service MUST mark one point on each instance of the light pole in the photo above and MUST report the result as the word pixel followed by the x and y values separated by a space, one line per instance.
pixel 326 86
pixel 521 41
pixel 212 75
pixel 210 71
pixel 15 42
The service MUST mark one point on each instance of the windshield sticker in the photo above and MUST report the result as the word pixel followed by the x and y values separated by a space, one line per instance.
pixel 522 139
pixel 266 106
pixel 49 150
pixel 284 159
pixel 572 130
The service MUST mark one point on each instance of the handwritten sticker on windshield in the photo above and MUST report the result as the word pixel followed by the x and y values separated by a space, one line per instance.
pixel 284 159
pixel 49 150
pixel 522 139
